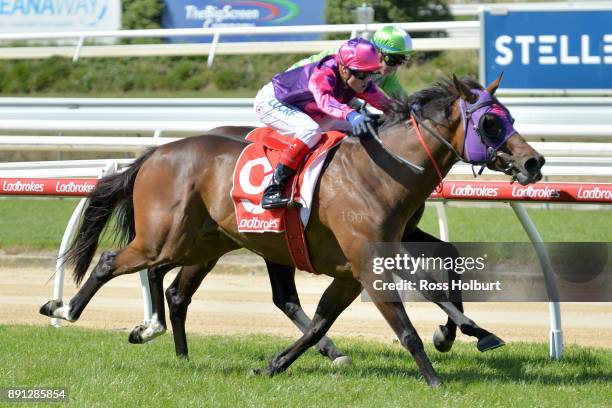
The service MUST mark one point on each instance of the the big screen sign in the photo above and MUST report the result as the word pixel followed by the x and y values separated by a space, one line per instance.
pixel 251 13
pixel 554 50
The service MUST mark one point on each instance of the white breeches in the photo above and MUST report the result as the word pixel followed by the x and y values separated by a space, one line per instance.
pixel 290 121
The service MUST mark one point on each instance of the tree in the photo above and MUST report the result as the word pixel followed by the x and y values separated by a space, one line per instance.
pixel 389 11
pixel 141 14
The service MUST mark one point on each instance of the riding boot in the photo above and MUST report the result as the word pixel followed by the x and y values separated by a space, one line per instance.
pixel 273 195
pixel 289 162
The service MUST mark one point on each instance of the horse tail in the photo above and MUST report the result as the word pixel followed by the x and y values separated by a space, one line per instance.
pixel 112 195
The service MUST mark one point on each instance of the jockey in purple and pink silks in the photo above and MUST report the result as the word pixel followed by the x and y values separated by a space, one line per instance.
pixel 309 100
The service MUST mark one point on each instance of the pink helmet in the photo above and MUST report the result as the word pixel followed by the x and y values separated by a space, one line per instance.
pixel 359 54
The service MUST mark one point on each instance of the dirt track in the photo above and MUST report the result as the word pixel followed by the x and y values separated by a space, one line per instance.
pixel 231 303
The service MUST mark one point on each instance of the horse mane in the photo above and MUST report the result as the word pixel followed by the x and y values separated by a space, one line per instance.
pixel 435 102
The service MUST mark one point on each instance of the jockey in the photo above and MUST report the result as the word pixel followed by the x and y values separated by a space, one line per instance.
pixel 309 100
pixel 395 47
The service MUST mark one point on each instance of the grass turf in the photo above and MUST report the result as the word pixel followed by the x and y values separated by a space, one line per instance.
pixel 38 224
pixel 102 369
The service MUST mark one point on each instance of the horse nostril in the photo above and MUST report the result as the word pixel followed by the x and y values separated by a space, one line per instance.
pixel 534 164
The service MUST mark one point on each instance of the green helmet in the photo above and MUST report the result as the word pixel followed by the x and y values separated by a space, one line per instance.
pixel 392 40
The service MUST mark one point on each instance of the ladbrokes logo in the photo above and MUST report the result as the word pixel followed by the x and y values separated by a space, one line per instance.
pixel 535 192
pixel 471 191
pixel 20 187
pixel 257 224
pixel 595 193
pixel 251 176
pixel 73 187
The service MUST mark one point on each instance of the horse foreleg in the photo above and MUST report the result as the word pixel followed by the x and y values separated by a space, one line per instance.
pixel 178 296
pixel 285 297
pixel 157 326
pixel 444 336
pixel 486 340
pixel 337 297
pixel 390 305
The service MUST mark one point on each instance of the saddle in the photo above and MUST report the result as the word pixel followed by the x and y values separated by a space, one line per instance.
pixel 252 175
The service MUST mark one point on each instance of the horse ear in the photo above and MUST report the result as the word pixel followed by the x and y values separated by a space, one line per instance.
pixel 464 91
pixel 495 84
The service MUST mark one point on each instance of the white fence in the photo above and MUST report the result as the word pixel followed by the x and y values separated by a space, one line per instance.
pixel 536 118
pixel 562 159
pixel 469 39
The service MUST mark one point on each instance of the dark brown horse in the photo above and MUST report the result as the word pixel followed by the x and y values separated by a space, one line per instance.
pixel 181 213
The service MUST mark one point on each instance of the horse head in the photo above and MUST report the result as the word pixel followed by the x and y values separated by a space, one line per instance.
pixel 475 127
pixel 489 137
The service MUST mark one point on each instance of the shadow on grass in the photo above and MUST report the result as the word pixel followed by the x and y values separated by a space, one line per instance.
pixel 465 366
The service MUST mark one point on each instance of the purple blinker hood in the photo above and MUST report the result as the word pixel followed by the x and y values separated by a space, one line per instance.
pixel 477 147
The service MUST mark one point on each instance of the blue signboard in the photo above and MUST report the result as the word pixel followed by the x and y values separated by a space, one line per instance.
pixel 556 50
pixel 244 13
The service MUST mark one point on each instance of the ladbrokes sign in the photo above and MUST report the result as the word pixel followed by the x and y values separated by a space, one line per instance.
pixel 58 187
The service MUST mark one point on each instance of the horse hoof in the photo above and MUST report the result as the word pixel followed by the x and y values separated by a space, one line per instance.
pixel 51 306
pixel 435 383
pixel 136 335
pixel 443 339
pixel 343 361
pixel 256 372
pixel 489 342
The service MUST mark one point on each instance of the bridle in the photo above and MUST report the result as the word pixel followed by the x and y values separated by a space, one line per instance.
pixel 480 146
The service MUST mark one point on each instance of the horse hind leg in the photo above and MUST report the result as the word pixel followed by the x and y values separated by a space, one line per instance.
pixel 111 264
pixel 157 326
pixel 178 296
pixel 285 297
pixel 337 297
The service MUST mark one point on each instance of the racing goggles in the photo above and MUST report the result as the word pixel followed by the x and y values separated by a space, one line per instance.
pixel 393 60
pixel 361 75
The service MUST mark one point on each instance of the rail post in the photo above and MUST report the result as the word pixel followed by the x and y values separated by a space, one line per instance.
pixel 556 333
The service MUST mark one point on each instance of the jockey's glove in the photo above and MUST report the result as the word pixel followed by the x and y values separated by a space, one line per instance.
pixel 358 123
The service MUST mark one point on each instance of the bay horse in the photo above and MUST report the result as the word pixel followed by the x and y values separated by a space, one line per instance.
pixel 282 282
pixel 175 209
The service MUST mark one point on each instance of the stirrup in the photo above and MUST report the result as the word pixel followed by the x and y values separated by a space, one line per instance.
pixel 274 195
pixel 274 205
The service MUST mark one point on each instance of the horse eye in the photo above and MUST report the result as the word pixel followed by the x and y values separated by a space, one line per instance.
pixel 492 126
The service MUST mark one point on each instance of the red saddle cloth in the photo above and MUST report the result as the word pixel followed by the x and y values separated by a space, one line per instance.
pixel 252 175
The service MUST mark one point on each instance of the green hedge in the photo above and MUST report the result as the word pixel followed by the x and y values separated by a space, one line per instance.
pixel 230 75
pixel 188 76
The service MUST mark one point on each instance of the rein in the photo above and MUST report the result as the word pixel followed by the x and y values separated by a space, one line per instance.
pixel 400 159
pixel 466 113
pixel 431 157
